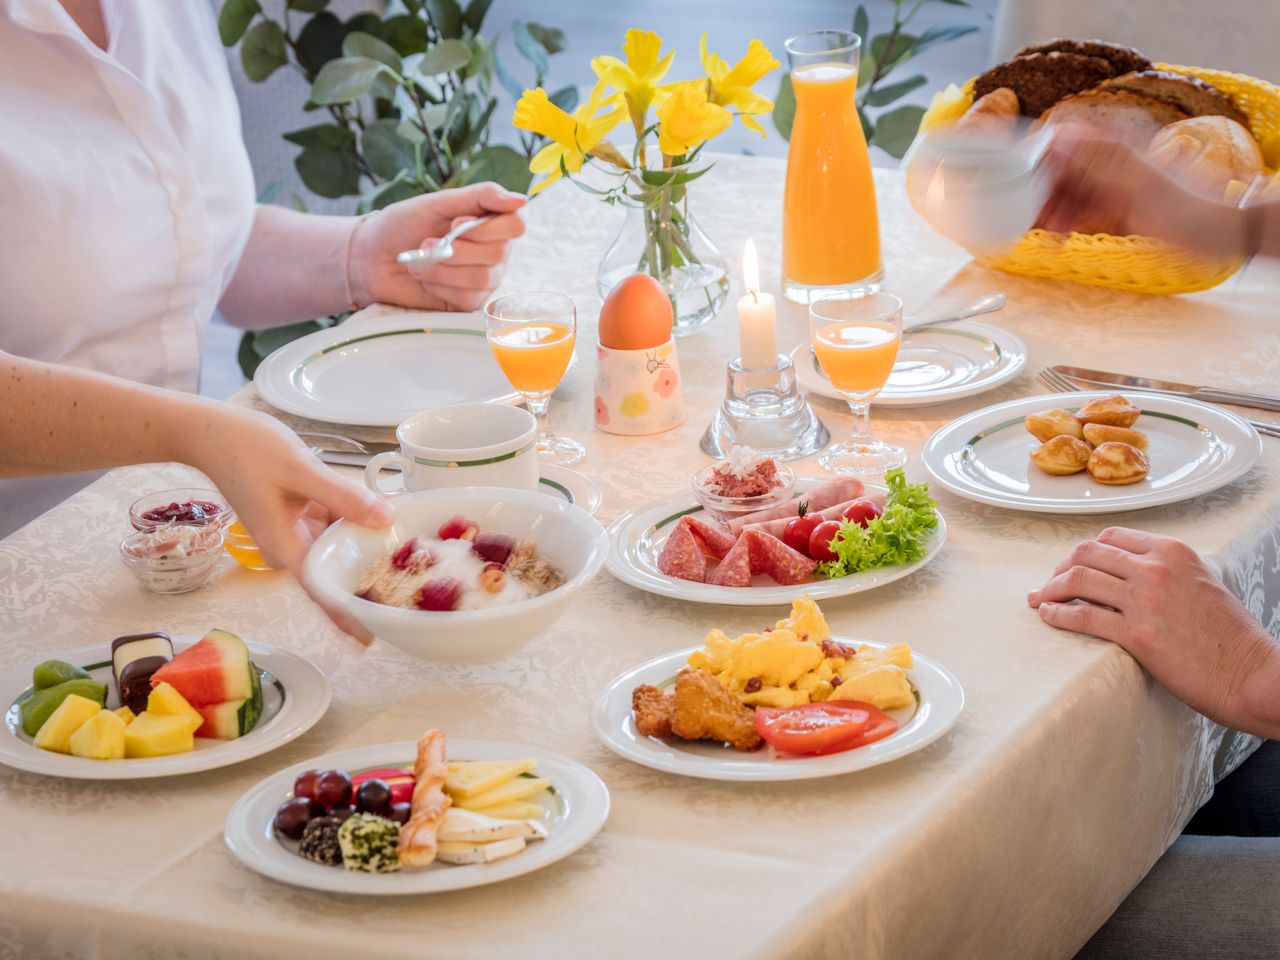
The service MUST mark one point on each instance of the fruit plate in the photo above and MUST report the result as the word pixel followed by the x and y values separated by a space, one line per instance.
pixel 636 538
pixel 295 695
pixel 1194 448
pixel 576 811
pixel 939 701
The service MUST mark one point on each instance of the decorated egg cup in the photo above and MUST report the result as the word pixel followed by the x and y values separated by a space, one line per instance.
pixel 638 392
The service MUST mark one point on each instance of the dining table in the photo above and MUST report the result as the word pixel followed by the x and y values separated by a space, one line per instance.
pixel 1068 774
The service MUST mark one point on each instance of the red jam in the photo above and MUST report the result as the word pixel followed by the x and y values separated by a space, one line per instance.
pixel 194 513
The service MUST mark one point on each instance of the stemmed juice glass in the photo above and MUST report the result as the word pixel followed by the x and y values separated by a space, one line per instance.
pixel 532 336
pixel 856 342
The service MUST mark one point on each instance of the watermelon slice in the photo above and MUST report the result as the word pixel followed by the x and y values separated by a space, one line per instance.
pixel 213 671
pixel 232 718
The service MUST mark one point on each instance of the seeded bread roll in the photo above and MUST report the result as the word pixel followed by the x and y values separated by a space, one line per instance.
pixel 1197 98
pixel 1132 117
pixel 1042 79
pixel 1122 59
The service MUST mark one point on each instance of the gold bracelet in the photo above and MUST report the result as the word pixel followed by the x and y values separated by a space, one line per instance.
pixel 346 273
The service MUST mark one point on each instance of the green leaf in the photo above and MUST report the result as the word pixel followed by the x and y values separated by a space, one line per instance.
pixel 475 14
pixel 319 42
pixel 566 98
pixel 407 34
pixel 868 130
pixel 887 54
pixel 935 35
pixel 502 165
pixel 509 83
pixel 327 136
pixel 262 52
pixel 386 152
pixel 861 23
pixel 784 107
pixel 478 128
pixel 551 38
pixel 366 45
pixel 672 178
pixel 896 129
pixel 409 131
pixel 344 80
pixel 881 96
pixel 530 48
pixel 369 23
pixel 269 193
pixel 267 342
pixel 445 57
pixel 308 6
pixel 233 19
pixel 866 67
pixel 389 193
pixel 247 356
pixel 329 173
pixel 447 17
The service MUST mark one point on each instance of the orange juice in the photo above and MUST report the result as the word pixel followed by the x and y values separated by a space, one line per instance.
pixel 534 356
pixel 830 234
pixel 857 357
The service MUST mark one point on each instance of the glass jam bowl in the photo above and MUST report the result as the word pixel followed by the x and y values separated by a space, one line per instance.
pixel 188 506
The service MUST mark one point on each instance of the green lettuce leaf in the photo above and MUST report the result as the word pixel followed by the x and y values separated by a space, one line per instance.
pixel 897 536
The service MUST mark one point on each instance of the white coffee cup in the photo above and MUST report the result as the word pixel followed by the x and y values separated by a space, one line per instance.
pixel 463 445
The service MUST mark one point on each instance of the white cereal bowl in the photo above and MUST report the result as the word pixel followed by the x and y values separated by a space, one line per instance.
pixel 566 535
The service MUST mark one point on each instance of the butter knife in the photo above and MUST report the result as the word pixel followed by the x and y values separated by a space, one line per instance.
pixel 1101 378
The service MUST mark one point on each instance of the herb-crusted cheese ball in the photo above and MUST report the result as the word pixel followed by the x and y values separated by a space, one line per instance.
pixel 369 843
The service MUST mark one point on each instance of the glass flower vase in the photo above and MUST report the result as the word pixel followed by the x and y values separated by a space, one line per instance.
pixel 663 240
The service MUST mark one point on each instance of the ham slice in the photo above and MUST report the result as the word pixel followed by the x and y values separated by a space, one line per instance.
pixel 839 490
pixel 775 527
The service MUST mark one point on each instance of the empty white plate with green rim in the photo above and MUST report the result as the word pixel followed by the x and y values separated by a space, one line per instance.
pixel 295 695
pixel 576 806
pixel 1194 448
pixel 939 702
pixel 375 373
pixel 636 539
pixel 935 365
pixel 569 485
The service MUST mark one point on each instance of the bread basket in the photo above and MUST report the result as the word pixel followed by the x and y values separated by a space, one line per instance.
pixel 1142 264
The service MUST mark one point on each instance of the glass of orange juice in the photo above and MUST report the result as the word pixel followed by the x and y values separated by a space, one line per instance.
pixel 856 342
pixel 830 230
pixel 532 336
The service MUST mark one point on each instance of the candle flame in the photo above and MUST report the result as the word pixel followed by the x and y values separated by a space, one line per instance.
pixel 751 269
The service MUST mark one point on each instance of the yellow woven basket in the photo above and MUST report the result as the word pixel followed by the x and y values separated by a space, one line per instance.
pixel 1143 264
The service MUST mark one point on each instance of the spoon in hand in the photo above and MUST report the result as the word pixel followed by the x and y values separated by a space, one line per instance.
pixel 442 249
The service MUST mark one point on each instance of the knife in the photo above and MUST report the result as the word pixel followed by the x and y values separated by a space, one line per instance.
pixel 1101 378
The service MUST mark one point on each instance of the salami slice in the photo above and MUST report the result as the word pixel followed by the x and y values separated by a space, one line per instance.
pixel 820 497
pixel 735 568
pixel 714 541
pixel 682 557
pixel 775 559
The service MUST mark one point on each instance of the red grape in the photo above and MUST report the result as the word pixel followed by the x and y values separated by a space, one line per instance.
pixel 797 532
pixel 333 789
pixel 400 812
pixel 820 540
pixel 861 512
pixel 294 814
pixel 341 813
pixel 305 785
pixel 374 796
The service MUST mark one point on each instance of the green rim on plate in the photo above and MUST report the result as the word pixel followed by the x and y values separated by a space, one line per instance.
pixel 503 458
pixel 967 452
pixel 453 331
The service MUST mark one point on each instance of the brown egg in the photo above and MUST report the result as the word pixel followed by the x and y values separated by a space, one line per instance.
pixel 1062 456
pixel 636 315
pixel 1113 411
pixel 1118 464
pixel 1099 433
pixel 1053 423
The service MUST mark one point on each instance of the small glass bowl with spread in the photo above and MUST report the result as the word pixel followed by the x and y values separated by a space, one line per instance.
pixel 188 506
pixel 724 508
pixel 173 558
pixel 243 549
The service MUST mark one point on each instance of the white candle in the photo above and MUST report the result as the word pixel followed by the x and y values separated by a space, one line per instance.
pixel 757 338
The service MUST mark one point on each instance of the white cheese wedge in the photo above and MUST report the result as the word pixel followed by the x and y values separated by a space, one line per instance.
pixel 468 853
pixel 468 826
pixel 126 653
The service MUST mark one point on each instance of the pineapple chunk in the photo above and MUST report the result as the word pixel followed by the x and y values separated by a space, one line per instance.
pixel 467 778
pixel 101 737
pixel 157 735
pixel 517 789
pixel 165 701
pixel 125 714
pixel 56 732
pixel 518 810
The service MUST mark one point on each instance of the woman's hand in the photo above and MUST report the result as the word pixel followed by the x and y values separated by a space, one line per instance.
pixel 464 281
pixel 1155 597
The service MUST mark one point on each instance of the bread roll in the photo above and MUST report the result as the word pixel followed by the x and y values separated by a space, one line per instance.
pixel 996 113
pixel 1207 153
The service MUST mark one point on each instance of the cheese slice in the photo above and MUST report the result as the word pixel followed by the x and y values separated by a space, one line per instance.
pixel 466 778
pixel 467 826
pixel 516 789
pixel 519 810
pixel 465 853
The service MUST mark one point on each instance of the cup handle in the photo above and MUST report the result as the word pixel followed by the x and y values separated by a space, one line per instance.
pixel 376 465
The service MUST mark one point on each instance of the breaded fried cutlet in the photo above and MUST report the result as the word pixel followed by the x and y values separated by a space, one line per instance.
pixel 653 710
pixel 706 710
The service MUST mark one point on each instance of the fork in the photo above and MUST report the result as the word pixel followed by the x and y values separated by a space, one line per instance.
pixel 1060 384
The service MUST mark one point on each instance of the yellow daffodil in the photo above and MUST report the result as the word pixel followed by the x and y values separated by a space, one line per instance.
pixel 687 118
pixel 638 77
pixel 731 86
pixel 573 136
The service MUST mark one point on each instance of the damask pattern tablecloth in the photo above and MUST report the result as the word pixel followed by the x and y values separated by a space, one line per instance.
pixel 1067 776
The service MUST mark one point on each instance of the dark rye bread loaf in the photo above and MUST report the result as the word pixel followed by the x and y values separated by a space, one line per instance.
pixel 1197 98
pixel 1122 59
pixel 1042 79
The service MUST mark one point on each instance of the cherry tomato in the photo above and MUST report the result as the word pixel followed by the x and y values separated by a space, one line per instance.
pixel 820 540
pixel 797 532
pixel 822 728
pixel 861 512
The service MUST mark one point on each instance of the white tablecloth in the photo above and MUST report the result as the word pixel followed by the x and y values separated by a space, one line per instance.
pixel 1069 773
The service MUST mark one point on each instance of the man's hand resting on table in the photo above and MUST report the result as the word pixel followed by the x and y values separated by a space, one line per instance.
pixel 1155 597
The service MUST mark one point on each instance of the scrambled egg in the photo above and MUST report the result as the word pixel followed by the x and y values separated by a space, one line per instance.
pixel 788 665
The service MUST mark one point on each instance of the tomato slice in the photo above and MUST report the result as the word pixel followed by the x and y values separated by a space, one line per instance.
pixel 816 729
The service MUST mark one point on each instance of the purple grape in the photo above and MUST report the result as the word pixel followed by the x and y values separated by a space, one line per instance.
pixel 305 785
pixel 333 789
pixel 399 812
pixel 294 814
pixel 374 796
pixel 341 813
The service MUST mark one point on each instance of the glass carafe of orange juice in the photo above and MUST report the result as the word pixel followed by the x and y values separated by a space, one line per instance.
pixel 830 232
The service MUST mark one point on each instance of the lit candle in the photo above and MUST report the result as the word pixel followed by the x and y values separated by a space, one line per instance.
pixel 757 339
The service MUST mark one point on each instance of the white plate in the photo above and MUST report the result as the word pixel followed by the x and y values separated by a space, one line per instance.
pixel 295 695
pixel 569 485
pixel 940 700
pixel 1194 448
pixel 575 813
pixel 935 365
pixel 636 539
pixel 378 372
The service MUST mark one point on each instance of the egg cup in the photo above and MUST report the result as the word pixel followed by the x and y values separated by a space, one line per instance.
pixel 638 392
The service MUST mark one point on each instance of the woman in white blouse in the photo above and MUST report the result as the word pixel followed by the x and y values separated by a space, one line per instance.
pixel 127 216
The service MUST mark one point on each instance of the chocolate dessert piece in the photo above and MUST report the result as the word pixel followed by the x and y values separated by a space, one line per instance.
pixel 1042 79
pixel 1191 94
pixel 1122 59
pixel 134 682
